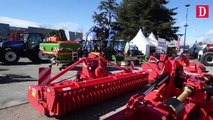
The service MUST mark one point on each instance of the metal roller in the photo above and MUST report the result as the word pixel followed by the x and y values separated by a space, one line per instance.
pixel 176 103
pixel 188 90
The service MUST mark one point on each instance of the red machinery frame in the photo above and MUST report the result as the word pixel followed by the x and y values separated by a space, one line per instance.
pixel 92 84
pixel 154 66
pixel 173 95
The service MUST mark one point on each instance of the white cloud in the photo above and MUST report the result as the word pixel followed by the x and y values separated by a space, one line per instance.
pixel 210 32
pixel 70 26
pixel 205 39
pixel 18 22
pixel 200 39
pixel 66 26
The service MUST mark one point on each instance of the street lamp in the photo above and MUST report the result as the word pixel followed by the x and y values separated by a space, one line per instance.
pixel 187 5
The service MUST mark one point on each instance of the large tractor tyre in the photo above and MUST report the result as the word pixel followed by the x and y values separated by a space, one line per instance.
pixel 10 56
pixel 199 58
pixel 1 60
pixel 207 59
pixel 37 57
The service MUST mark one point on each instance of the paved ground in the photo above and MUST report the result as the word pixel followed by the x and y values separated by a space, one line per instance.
pixel 14 82
pixel 94 112
pixel 15 79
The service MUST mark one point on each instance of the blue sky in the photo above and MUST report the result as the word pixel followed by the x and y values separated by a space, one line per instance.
pixel 75 15
pixel 199 28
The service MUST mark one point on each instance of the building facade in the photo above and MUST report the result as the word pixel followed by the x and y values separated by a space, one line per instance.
pixel 6 29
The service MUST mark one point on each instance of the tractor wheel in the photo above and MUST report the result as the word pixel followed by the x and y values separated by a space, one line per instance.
pixel 207 59
pixel 38 57
pixel 10 56
pixel 1 60
pixel 43 57
pixel 199 58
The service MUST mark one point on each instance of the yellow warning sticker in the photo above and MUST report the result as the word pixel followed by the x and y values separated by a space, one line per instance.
pixel 33 92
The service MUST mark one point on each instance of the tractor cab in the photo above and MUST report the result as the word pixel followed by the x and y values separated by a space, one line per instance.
pixel 119 46
pixel 32 40
pixel 133 50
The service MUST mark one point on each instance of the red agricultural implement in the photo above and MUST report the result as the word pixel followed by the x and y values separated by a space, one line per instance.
pixel 173 96
pixel 154 66
pixel 92 84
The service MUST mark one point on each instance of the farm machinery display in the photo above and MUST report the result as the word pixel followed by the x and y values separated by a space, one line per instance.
pixel 65 52
pixel 99 39
pixel 60 49
pixel 92 84
pixel 155 66
pixel 173 95
pixel 125 53
pixel 117 50
pixel 26 46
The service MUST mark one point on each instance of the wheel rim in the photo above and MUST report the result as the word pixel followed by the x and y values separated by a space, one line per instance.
pixel 209 59
pixel 10 56
pixel 42 56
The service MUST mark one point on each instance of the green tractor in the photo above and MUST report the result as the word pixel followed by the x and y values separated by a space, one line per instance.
pixel 126 53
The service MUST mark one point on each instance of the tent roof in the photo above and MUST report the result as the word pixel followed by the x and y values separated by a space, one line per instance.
pixel 153 39
pixel 140 39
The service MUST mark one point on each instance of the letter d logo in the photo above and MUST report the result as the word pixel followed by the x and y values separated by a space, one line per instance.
pixel 202 11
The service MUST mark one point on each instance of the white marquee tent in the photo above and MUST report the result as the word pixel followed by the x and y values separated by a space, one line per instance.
pixel 153 39
pixel 142 43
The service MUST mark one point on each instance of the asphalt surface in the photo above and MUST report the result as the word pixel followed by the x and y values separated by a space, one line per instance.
pixel 15 79
pixel 14 82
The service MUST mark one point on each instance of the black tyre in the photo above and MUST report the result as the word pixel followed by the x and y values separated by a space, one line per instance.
pixel 199 58
pixel 10 56
pixel 37 57
pixel 1 60
pixel 207 59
